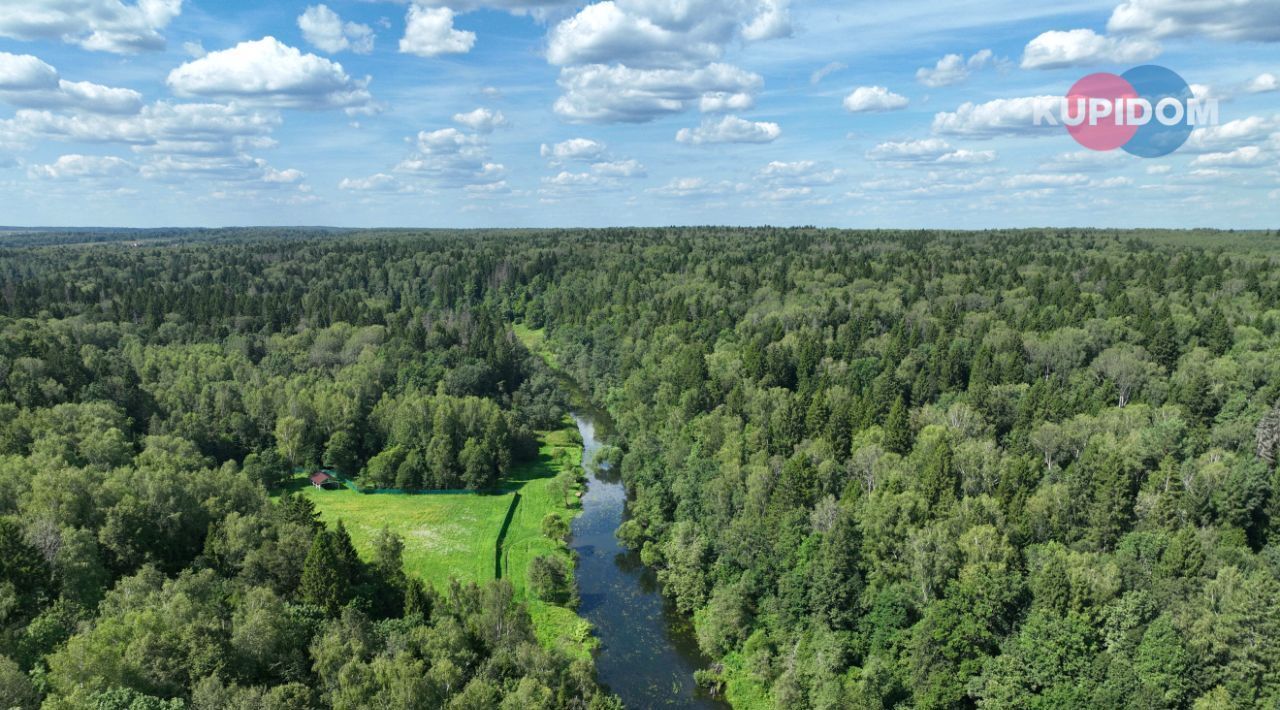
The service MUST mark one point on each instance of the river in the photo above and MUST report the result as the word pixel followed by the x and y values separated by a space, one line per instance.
pixel 647 650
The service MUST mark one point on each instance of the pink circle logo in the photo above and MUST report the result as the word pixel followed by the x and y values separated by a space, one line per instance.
pixel 1094 111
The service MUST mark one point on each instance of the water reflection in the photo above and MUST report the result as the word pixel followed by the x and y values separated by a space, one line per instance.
pixel 647 650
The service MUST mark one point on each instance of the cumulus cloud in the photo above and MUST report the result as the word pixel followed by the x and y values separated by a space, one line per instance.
pixel 729 129
pixel 429 32
pixel 635 60
pixel 866 99
pixel 325 30
pixel 597 93
pixel 799 173
pixel 656 33
pixel 1250 156
pixel 160 129
pixel 927 150
pixel 83 166
pixel 1263 83
pixel 1074 48
pixel 1000 117
pixel 23 72
pixel 452 159
pixel 1257 20
pixel 379 182
pixel 954 69
pixel 619 169
pixel 721 101
pixel 481 120
pixel 174 142
pixel 28 82
pixel 1228 136
pixel 573 149
pixel 99 25
pixel 601 176
pixel 271 73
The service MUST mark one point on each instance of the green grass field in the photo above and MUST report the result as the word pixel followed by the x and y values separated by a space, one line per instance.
pixel 536 341
pixel 454 536
pixel 539 495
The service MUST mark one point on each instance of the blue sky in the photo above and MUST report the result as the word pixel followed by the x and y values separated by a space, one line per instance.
pixel 619 112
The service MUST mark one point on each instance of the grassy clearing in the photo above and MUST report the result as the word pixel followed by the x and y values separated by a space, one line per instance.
pixel 539 495
pixel 454 536
pixel 444 535
pixel 535 339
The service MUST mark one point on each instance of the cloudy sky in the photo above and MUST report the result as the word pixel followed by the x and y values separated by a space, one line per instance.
pixel 654 112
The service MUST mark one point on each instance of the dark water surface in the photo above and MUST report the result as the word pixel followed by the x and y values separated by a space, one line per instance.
pixel 647 651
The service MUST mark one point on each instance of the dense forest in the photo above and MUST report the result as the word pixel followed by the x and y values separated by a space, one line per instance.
pixel 876 469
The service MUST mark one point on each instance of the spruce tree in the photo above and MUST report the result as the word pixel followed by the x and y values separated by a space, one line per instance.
pixel 897 428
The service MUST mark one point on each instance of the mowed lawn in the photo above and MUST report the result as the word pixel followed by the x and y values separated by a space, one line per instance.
pixel 444 535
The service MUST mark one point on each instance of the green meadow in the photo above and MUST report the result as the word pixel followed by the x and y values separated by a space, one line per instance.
pixel 456 536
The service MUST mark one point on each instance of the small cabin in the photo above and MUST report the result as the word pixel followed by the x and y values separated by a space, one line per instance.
pixel 322 480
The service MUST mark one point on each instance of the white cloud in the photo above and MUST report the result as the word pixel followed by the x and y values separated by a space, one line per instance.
pixel 23 72
pixel 429 32
pixel 568 179
pixel 964 156
pixel 1263 83
pixel 379 182
pixel 999 117
pixel 481 120
pixel 1257 20
pixel 452 159
pixel 662 34
pixel 28 82
pixel 954 69
pixel 874 99
pixel 271 73
pixel 928 150
pixel 607 94
pixel 826 71
pixel 1074 48
pixel 635 60
pixel 83 166
pixel 573 149
pixel 1230 135
pixel 194 49
pixel 799 173
pixel 99 25
pixel 324 29
pixel 721 101
pixel 161 129
pixel 1250 156
pixel 729 129
pixel 696 187
pixel 619 169
pixel 287 176
pixel 772 21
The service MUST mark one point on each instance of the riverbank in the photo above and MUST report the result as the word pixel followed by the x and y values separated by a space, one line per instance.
pixel 648 653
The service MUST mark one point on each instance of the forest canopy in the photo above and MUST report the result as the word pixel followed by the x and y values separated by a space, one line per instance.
pixel 1025 469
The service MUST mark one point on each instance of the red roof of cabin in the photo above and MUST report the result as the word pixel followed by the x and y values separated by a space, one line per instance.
pixel 320 478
